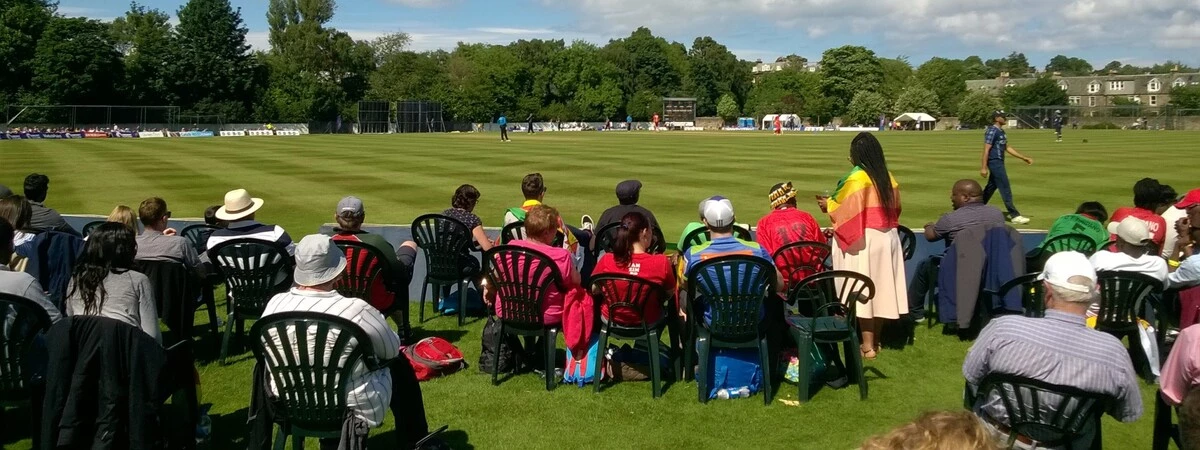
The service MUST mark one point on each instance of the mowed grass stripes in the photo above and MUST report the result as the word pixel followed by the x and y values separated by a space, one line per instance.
pixel 403 176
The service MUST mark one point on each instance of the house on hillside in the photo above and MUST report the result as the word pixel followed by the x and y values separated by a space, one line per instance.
pixel 781 63
pixel 1151 91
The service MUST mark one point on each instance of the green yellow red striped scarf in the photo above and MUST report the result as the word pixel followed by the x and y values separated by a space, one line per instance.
pixel 856 206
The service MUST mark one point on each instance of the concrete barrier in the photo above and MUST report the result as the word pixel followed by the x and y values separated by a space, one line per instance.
pixel 227 133
pixel 260 133
pixel 287 133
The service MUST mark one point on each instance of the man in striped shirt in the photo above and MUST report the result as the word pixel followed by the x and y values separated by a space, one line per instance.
pixel 1058 349
pixel 319 264
pixel 239 211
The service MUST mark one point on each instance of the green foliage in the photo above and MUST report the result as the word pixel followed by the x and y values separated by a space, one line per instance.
pixel 790 92
pixel 976 69
pixel 76 63
pixel 865 108
pixel 145 38
pixel 1186 97
pixel 214 73
pixel 727 107
pixel 1016 64
pixel 21 26
pixel 1069 66
pixel 897 73
pixel 976 108
pixel 1042 92
pixel 714 72
pixel 1101 126
pixel 916 99
pixel 947 78
pixel 849 70
pixel 644 105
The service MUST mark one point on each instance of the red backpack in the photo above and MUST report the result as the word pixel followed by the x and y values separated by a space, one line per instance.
pixel 433 357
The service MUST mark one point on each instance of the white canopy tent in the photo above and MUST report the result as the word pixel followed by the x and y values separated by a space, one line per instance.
pixel 917 121
pixel 768 121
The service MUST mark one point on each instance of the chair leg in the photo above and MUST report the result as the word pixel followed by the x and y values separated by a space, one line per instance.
pixel 675 352
pixel 496 355
pixel 551 337
pixel 225 341
pixel 424 289
pixel 600 357
pixel 280 439
pixel 297 442
pixel 1162 423
pixel 853 354
pixel 655 364
pixel 768 382
pixel 210 302
pixel 689 353
pixel 701 376
pixel 462 303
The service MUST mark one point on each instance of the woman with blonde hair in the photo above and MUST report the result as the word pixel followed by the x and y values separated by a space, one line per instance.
pixel 124 215
pixel 936 430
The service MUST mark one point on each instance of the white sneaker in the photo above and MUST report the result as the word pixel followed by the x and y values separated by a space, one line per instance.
pixel 1020 220
pixel 585 223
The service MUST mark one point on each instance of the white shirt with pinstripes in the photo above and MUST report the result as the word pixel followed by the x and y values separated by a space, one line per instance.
pixel 1058 349
pixel 370 391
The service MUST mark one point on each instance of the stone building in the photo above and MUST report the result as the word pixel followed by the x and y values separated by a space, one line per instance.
pixel 1150 91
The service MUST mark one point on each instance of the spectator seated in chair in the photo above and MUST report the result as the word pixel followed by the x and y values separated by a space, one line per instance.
pixel 1058 349
pixel 936 430
pixel 966 197
pixel 18 212
pixel 44 218
pixel 1150 199
pixel 20 283
pixel 1133 254
pixel 158 242
pixel 1088 220
pixel 105 284
pixel 319 264
pixel 349 216
pixel 628 194
pixel 786 224
pixel 533 186
pixel 541 228
pixel 239 211
pixel 462 209
pixel 1181 372
pixel 1184 267
pixel 630 257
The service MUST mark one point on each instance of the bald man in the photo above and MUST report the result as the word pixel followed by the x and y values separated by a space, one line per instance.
pixel 969 211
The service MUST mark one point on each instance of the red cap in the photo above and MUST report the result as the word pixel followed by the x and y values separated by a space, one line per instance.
pixel 1191 199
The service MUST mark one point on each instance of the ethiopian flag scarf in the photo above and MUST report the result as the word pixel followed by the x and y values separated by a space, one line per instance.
pixel 856 206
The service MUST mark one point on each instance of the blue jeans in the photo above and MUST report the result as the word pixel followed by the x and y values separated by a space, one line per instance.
pixel 998 179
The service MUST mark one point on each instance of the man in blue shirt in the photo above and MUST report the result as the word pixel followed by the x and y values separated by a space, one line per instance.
pixel 995 146
pixel 1057 122
pixel 503 122
pixel 718 217
pixel 629 123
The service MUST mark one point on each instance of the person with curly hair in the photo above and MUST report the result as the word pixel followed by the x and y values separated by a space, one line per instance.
pixel 936 430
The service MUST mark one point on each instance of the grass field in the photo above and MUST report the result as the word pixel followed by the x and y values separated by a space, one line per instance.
pixel 400 177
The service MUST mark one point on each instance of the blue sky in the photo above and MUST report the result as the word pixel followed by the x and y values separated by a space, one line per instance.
pixel 1137 32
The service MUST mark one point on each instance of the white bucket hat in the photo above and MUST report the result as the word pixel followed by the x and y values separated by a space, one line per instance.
pixel 238 205
pixel 318 261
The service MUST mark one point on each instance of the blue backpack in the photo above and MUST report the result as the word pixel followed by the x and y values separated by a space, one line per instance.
pixel 586 368
pixel 734 368
pixel 450 303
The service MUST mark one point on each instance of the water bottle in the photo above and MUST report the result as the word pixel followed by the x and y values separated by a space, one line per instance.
pixel 743 392
pixel 723 394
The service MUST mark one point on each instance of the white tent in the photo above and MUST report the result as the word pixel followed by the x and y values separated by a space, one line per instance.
pixel 768 121
pixel 919 121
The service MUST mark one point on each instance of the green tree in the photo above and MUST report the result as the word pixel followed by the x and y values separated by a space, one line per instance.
pixel 847 71
pixel 76 62
pixel 22 23
pixel 1112 66
pixel 947 78
pixel 975 69
pixel 388 46
pixel 1124 107
pixel 976 108
pixel 713 71
pixel 1042 92
pixel 648 63
pixel 1186 97
pixel 644 105
pixel 916 99
pixel 1069 66
pixel 790 92
pixel 1016 64
pixel 727 108
pixel 897 73
pixel 866 107
pixel 144 36
pixel 214 73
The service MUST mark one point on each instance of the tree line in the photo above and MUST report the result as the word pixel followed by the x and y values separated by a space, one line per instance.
pixel 315 72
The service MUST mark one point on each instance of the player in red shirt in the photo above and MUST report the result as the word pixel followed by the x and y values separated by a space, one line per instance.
pixel 1151 199
pixel 784 225
pixel 629 257
pixel 778 125
pixel 654 120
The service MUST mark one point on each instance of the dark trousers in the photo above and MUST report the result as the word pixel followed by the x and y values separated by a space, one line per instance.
pixel 998 179
pixel 923 282
pixel 504 132
pixel 589 262
pixel 530 130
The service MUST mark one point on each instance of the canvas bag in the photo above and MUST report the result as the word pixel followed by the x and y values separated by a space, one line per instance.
pixel 734 368
pixel 433 357
pixel 584 368
pixel 449 304
pixel 816 365
pixel 508 358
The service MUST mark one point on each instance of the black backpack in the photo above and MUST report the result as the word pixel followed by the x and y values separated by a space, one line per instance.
pixel 508 358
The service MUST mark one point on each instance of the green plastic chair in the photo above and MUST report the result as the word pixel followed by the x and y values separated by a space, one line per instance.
pixel 702 235
pixel 734 288
pixel 606 237
pixel 250 268
pixel 366 265
pixel 803 259
pixel 446 243
pixel 1053 415
pixel 311 389
pixel 521 278
pixel 1165 428
pixel 908 241
pixel 28 320
pixel 632 294
pixel 198 235
pixel 1033 294
pixel 90 226
pixel 833 295
pixel 1121 297
pixel 516 231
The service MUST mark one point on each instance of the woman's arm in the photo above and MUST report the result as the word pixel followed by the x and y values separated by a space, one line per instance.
pixel 147 311
pixel 481 238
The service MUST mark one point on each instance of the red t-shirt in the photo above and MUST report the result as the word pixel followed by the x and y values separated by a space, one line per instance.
pixel 655 268
pixel 787 226
pixel 1155 222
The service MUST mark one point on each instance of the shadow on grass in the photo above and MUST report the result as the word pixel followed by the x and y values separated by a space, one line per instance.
pixel 230 430
pixel 17 425
pixel 454 336
pixel 456 439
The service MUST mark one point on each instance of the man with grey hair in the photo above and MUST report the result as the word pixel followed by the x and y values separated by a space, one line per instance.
pixel 1058 349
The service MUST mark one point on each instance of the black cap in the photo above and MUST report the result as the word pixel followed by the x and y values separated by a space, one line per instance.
pixel 5 191
pixel 628 191
pixel 998 113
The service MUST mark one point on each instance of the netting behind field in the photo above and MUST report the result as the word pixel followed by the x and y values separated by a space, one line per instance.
pixel 84 117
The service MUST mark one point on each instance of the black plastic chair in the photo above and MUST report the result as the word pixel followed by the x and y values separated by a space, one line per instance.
pixel 21 320
pixel 1033 294
pixel 833 295
pixel 908 241
pixel 735 289
pixel 1121 297
pixel 89 227
pixel 1165 428
pixel 447 244
pixel 365 266
pixel 521 278
pixel 198 235
pixel 176 290
pixel 310 389
pixel 702 235
pixel 1053 415
pixel 251 269
pixel 606 237
pixel 631 294
pixel 516 231
pixel 803 259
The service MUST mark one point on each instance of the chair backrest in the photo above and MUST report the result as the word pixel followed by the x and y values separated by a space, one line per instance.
pixel 1033 293
pixel 365 266
pixel 1121 297
pixel 521 278
pixel 802 259
pixel 734 287
pixel 702 235
pixel 312 368
pixel 908 241
pixel 1081 243
pixel 446 242
pixel 628 295
pixel 89 227
pixel 833 292
pixel 250 268
pixel 175 291
pixel 56 256
pixel 20 321
pixel 606 237
pixel 516 231
pixel 198 235
pixel 1051 414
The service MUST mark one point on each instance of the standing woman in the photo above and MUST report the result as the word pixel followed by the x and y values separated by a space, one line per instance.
pixel 865 211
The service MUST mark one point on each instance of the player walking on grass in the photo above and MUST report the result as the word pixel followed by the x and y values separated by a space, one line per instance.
pixel 503 122
pixel 995 146
pixel 1057 121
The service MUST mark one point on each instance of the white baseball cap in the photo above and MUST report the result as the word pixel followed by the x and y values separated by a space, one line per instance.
pixel 717 211
pixel 1063 266
pixel 318 261
pixel 1132 230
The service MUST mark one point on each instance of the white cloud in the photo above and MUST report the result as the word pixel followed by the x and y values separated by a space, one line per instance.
pixel 422 3
pixel 514 31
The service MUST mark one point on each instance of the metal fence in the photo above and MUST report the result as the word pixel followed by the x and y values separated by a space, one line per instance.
pixel 88 116
pixel 1129 117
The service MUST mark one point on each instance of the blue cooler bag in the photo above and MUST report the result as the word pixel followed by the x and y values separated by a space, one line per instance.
pixel 733 369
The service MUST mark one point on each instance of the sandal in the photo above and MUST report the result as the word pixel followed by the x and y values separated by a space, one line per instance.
pixel 868 355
